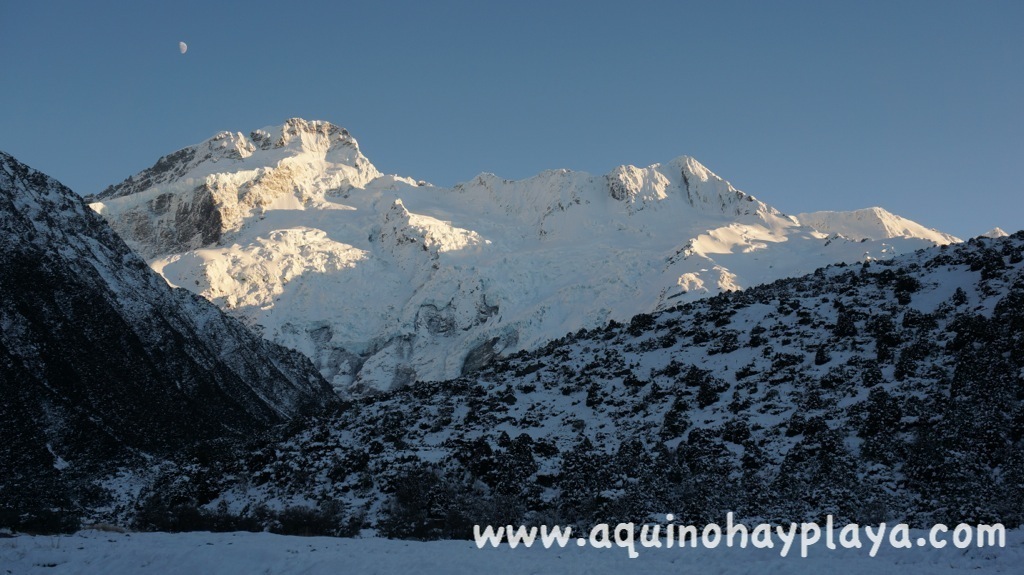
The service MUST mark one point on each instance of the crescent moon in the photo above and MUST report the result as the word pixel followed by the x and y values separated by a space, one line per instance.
pixel 183 47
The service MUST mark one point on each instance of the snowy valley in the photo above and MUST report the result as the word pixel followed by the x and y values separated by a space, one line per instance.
pixel 567 349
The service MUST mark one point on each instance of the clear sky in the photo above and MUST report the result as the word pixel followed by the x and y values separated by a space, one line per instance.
pixel 916 106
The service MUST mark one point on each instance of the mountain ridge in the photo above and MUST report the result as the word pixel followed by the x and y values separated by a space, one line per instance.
pixel 103 366
pixel 885 390
pixel 871 222
pixel 410 280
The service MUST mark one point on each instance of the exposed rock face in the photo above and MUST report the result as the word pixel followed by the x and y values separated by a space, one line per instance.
pixel 100 359
pixel 195 195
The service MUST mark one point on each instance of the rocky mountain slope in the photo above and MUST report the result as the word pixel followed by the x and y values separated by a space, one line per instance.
pixel 878 391
pixel 102 364
pixel 383 280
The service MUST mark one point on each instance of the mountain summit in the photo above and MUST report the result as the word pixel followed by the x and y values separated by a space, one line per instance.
pixel 197 194
pixel 382 280
pixel 995 233
pixel 872 223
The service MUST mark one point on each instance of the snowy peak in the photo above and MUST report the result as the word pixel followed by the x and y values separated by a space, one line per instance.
pixel 872 224
pixel 683 177
pixel 190 199
pixel 687 179
pixel 321 144
pixel 995 233
pixel 308 136
pixel 555 202
pixel 705 188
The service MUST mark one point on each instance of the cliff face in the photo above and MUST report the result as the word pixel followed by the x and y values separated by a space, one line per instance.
pixel 100 360
pixel 190 198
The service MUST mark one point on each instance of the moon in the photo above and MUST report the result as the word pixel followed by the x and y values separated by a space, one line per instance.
pixel 183 47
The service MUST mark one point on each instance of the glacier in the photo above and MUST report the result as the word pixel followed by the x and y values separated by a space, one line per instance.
pixel 383 280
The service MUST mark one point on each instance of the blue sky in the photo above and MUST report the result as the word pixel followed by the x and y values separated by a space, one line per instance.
pixel 913 106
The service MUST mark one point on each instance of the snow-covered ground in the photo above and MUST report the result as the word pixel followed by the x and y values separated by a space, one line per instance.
pixel 256 553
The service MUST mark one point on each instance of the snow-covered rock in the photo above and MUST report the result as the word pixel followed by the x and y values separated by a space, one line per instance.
pixel 995 233
pixel 872 224
pixel 382 280
pixel 190 198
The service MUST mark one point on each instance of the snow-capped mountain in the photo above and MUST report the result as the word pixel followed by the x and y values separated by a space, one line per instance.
pixel 995 233
pixel 382 279
pixel 101 360
pixel 872 224
pixel 199 193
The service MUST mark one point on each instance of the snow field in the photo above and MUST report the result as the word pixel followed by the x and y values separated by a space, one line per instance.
pixel 104 553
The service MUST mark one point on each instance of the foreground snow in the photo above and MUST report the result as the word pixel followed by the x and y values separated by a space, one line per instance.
pixel 246 553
